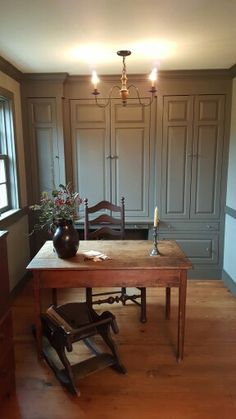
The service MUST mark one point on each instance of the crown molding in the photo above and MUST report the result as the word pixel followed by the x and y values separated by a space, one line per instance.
pixel 9 69
pixel 216 73
pixel 162 74
pixel 52 77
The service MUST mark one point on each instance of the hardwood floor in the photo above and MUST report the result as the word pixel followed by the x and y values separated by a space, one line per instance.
pixel 203 386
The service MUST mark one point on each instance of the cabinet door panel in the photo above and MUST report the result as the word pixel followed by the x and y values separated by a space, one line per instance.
pixel 92 180
pixel 130 167
pixel 90 150
pixel 130 145
pixel 47 167
pixel 176 157
pixel 44 139
pixel 207 156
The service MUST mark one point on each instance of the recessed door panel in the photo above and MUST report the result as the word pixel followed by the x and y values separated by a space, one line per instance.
pixel 45 157
pixel 90 151
pixel 130 151
pixel 176 157
pixel 91 177
pixel 46 161
pixel 130 165
pixel 207 156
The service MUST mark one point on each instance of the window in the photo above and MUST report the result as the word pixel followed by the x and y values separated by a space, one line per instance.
pixel 8 169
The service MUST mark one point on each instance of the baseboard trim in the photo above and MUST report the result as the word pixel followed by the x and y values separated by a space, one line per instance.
pixel 204 273
pixel 230 211
pixel 229 282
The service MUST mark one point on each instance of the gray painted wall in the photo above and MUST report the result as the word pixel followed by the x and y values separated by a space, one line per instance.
pixel 229 265
pixel 17 240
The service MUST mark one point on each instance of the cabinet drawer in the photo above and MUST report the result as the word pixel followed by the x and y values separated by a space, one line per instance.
pixel 7 375
pixel 188 226
pixel 6 339
pixel 200 248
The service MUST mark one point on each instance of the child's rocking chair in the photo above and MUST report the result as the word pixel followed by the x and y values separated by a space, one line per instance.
pixel 69 323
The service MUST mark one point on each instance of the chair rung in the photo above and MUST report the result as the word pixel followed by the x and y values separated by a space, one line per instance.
pixel 106 293
pixel 133 300
pixel 123 298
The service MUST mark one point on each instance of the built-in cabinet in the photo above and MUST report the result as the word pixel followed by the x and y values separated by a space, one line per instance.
pixel 192 159
pixel 7 365
pixel 111 154
pixel 192 156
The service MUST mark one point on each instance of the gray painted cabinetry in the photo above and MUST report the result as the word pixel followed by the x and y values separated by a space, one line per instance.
pixel 111 154
pixel 192 159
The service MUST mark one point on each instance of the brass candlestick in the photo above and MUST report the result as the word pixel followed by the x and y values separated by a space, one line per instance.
pixel 155 251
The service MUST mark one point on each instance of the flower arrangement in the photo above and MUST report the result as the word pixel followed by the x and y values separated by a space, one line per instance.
pixel 61 204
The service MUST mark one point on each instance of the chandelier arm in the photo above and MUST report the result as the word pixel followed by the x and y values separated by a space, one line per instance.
pixel 104 105
pixel 150 100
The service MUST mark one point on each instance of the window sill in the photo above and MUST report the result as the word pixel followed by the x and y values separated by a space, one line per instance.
pixel 11 216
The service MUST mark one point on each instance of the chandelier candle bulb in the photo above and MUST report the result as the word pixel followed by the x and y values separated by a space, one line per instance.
pixel 95 80
pixel 156 218
pixel 153 76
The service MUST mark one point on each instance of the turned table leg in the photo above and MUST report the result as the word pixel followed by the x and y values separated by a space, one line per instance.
pixel 181 314
pixel 37 306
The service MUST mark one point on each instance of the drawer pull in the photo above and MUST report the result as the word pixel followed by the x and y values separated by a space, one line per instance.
pixel 209 226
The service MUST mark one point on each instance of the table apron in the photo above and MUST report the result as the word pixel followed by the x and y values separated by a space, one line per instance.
pixel 106 278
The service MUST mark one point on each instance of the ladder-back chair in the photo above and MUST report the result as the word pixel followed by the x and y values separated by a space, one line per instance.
pixel 106 220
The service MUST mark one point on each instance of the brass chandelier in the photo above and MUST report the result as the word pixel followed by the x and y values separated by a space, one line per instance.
pixel 124 90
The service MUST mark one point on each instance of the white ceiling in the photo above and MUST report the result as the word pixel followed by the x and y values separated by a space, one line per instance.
pixel 77 36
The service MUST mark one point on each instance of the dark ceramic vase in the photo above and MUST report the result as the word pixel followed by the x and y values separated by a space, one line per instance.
pixel 65 239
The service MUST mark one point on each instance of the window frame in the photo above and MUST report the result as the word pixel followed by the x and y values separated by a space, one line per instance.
pixel 8 150
pixel 4 158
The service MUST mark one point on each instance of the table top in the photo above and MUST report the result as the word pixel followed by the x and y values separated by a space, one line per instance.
pixel 123 254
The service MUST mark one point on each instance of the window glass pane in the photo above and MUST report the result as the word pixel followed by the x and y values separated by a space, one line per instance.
pixel 3 196
pixel 8 172
pixel 2 171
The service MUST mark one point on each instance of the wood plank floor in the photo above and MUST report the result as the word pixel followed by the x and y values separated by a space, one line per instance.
pixel 203 386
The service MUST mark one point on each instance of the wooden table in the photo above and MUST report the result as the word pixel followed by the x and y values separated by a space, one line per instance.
pixel 130 265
